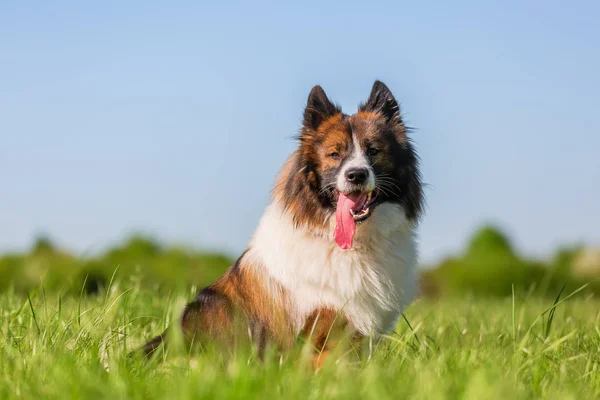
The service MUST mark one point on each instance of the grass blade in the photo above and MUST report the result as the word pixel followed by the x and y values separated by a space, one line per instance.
pixel 412 330
pixel 112 278
pixel 551 313
pixel 514 322
pixel 33 314
pixel 80 300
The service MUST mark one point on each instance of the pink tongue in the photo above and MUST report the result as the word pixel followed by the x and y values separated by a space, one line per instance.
pixel 345 226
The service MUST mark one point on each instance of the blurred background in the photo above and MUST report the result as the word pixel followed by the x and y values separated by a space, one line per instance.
pixel 145 136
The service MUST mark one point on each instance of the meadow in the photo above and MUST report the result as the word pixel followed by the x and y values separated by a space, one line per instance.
pixel 74 344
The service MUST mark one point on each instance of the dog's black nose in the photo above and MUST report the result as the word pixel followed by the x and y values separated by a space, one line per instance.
pixel 357 176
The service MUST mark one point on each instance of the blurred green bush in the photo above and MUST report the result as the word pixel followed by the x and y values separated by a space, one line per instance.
pixel 138 258
pixel 490 266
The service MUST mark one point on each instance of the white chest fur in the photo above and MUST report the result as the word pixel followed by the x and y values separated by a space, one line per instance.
pixel 371 283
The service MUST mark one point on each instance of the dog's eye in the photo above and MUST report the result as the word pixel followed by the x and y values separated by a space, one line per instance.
pixel 372 151
pixel 335 155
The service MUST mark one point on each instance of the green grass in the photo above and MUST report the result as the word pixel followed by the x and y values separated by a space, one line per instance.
pixel 72 346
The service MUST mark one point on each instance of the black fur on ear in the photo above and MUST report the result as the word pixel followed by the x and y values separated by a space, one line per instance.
pixel 383 102
pixel 318 108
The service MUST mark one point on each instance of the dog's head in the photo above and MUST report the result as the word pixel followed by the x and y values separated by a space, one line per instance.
pixel 350 164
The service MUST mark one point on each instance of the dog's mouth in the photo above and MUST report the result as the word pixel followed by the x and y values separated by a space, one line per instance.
pixel 352 208
pixel 363 210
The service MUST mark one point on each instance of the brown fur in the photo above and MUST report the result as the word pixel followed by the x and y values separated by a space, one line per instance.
pixel 236 301
pixel 326 330
pixel 263 307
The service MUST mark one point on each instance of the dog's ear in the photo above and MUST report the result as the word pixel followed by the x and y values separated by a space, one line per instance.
pixel 318 108
pixel 382 101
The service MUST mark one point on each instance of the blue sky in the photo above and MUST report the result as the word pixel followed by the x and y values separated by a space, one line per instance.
pixel 173 118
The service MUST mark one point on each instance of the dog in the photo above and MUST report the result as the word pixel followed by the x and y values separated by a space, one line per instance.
pixel 336 246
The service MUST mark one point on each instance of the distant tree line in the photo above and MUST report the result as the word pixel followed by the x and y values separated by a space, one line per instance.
pixel 489 266
pixel 139 258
